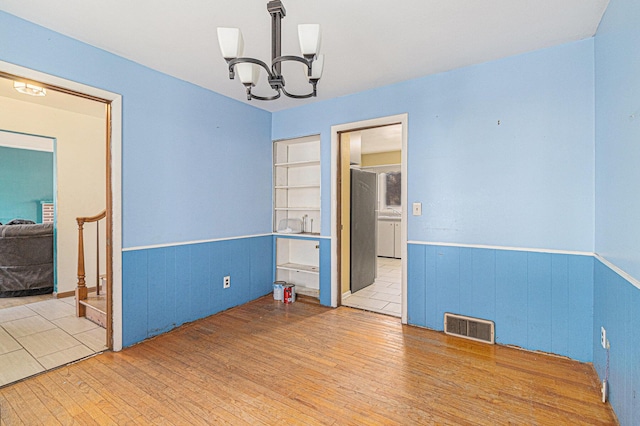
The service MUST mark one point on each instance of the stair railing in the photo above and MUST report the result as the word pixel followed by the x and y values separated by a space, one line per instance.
pixel 81 289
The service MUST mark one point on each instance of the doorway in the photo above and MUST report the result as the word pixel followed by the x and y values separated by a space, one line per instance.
pixel 375 149
pixel 110 189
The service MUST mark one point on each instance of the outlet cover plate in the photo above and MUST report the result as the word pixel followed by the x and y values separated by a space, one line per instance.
pixel 226 282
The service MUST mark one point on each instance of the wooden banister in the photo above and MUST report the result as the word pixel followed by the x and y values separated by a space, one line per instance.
pixel 81 289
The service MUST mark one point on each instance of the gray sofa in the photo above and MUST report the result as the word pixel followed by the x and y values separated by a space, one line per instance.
pixel 26 259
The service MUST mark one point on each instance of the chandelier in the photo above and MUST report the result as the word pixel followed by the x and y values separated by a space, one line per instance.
pixel 248 69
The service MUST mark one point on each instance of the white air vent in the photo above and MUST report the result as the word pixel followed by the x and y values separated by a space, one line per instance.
pixel 470 328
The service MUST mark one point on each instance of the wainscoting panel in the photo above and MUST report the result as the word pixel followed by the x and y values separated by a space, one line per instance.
pixel 167 286
pixel 417 284
pixel 325 271
pixel 617 309
pixel 539 301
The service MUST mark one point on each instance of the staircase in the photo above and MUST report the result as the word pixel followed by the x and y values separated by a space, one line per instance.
pixel 95 305
pixel 92 306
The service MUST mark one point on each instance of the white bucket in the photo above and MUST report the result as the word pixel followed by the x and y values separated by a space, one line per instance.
pixel 278 290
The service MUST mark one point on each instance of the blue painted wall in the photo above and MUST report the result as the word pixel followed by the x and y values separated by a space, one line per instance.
pixel 617 135
pixel 26 178
pixel 169 286
pixel 526 182
pixel 194 162
pixel 617 309
pixel 500 154
pixel 539 301
pixel 617 234
pixel 195 166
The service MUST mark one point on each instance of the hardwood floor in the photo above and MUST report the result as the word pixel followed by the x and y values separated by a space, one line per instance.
pixel 270 363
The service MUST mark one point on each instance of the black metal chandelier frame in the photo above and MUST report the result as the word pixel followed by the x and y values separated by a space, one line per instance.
pixel 276 79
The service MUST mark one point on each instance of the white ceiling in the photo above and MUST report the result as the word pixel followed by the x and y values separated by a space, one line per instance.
pixel 367 44
pixel 55 99
pixel 381 139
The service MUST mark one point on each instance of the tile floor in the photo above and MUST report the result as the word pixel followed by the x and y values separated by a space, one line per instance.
pixel 9 302
pixel 385 294
pixel 44 335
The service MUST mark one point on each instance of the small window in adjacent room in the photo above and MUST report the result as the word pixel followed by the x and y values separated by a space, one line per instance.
pixel 393 189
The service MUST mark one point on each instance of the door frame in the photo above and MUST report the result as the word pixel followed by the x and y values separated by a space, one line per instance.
pixel 403 119
pixel 113 120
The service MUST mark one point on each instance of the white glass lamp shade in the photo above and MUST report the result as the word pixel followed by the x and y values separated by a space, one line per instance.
pixel 248 73
pixel 309 35
pixel 231 42
pixel 316 68
pixel 29 89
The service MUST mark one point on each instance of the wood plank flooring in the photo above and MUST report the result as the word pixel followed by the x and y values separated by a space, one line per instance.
pixel 270 363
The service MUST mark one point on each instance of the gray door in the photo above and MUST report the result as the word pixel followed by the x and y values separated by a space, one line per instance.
pixel 363 229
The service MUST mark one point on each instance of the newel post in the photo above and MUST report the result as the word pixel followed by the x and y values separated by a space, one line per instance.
pixel 81 289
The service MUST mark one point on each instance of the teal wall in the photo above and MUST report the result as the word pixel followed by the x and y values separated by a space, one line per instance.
pixel 26 178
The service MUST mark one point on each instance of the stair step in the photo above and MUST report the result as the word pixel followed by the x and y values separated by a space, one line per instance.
pixel 96 310
pixel 98 303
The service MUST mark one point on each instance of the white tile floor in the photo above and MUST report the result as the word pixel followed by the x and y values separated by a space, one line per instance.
pixel 44 335
pixel 384 295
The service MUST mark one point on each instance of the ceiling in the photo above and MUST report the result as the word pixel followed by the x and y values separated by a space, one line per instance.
pixel 367 44
pixel 55 99
pixel 381 139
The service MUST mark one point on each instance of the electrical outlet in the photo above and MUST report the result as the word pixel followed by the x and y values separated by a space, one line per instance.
pixel 603 337
pixel 226 282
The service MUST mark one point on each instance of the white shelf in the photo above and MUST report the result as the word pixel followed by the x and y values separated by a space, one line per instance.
pixel 307 291
pixel 297 181
pixel 298 164
pixel 298 267
pixel 296 186
pixel 299 234
pixel 298 209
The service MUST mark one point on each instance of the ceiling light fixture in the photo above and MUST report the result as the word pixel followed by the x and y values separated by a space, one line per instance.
pixel 232 44
pixel 29 89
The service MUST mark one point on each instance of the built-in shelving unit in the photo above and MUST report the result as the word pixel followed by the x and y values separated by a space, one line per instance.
pixel 296 212
pixel 296 186
pixel 297 262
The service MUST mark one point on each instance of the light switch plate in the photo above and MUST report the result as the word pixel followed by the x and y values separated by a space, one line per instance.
pixel 417 209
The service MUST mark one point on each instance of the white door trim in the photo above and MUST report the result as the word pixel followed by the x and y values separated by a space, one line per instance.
pixel 116 177
pixel 335 130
